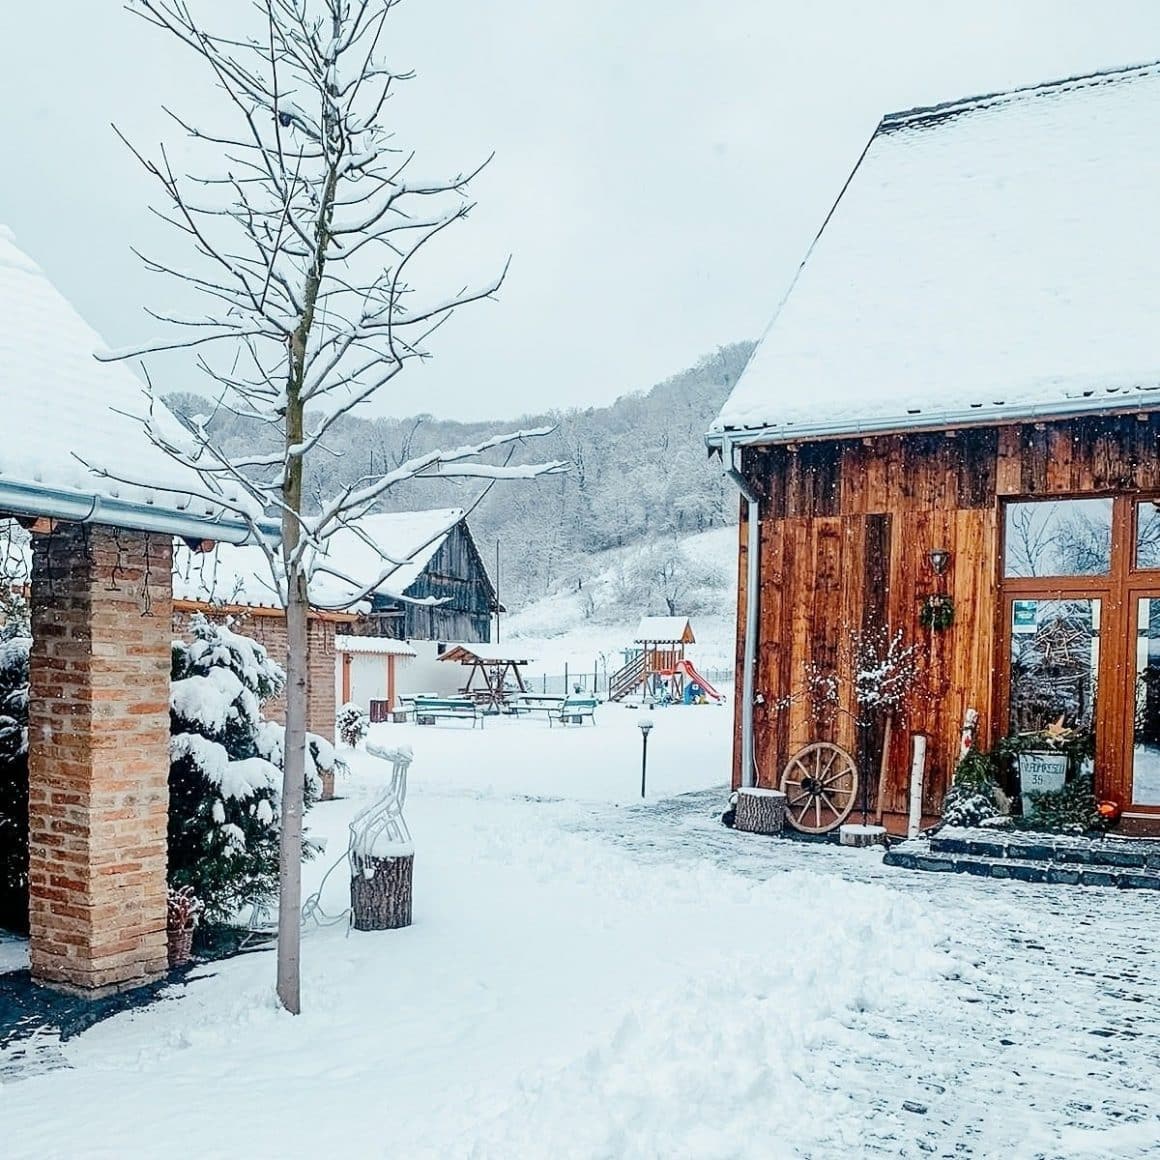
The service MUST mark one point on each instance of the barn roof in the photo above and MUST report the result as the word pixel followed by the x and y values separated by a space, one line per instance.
pixel 990 259
pixel 399 544
pixel 385 553
pixel 75 447
pixel 664 630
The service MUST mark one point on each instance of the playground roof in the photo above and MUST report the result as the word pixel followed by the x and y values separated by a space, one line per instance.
pixel 487 654
pixel 664 630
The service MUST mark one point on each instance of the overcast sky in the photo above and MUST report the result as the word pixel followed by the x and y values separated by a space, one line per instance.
pixel 660 166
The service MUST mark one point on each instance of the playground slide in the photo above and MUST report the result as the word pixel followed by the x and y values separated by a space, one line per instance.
pixel 691 674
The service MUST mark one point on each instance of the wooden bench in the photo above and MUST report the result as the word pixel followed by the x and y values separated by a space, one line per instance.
pixel 429 709
pixel 574 709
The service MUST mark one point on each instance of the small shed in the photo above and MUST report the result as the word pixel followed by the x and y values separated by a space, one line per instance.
pixel 368 672
pixel 495 671
pixel 951 431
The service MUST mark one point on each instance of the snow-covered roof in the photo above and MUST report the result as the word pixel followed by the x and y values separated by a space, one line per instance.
pixel 230 574
pixel 991 259
pixel 386 553
pixel 69 417
pixel 378 645
pixel 664 630
pixel 396 546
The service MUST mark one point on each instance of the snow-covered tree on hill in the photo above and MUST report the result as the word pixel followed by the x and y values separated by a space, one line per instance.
pixel 307 229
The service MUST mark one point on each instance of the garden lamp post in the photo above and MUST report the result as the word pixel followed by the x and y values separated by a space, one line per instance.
pixel 645 724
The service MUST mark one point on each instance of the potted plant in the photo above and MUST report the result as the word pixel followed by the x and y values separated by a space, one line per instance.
pixel 184 910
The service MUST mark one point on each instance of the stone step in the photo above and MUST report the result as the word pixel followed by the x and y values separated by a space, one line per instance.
pixel 1022 870
pixel 1115 853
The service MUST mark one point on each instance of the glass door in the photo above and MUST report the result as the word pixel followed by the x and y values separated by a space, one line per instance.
pixel 1144 758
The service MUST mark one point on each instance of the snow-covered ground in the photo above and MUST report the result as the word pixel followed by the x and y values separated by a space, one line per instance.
pixel 593 976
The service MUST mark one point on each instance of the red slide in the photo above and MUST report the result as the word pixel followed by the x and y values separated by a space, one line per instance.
pixel 691 674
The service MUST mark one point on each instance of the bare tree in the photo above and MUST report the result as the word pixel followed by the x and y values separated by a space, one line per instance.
pixel 305 227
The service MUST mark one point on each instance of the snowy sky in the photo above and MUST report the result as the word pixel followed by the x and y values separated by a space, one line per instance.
pixel 660 166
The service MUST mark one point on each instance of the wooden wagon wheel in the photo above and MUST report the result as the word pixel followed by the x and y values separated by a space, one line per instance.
pixel 820 784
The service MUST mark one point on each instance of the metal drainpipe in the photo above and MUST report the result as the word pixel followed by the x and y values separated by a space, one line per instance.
pixel 753 530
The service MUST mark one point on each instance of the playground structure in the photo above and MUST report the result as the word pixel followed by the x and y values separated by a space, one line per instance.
pixel 657 669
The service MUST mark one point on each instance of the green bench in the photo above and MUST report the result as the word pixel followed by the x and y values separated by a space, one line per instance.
pixel 536 703
pixel 430 709
pixel 574 709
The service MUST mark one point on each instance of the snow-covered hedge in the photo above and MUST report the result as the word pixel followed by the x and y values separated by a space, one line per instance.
pixel 225 773
pixel 14 783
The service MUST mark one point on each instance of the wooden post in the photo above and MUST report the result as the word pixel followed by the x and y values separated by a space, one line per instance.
pixel 917 773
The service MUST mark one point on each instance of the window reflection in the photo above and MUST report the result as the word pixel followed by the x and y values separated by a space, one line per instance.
pixel 1146 750
pixel 1068 537
pixel 1148 534
pixel 1054 661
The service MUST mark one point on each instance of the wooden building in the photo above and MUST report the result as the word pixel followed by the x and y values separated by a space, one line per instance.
pixel 438 588
pixel 956 411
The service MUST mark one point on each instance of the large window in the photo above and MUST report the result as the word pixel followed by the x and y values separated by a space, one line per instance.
pixel 1081 587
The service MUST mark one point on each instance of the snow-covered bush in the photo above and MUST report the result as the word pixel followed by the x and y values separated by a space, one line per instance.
pixel 974 796
pixel 224 778
pixel 353 725
pixel 226 772
pixel 14 782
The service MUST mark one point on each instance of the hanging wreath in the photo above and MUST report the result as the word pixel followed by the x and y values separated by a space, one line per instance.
pixel 937 612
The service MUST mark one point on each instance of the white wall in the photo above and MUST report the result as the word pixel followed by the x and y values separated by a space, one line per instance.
pixel 425 673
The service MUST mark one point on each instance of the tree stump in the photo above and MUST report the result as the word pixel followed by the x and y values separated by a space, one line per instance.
pixel 327 779
pixel 380 892
pixel 760 811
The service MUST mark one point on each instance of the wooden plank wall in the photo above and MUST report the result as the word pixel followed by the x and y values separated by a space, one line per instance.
pixel 845 532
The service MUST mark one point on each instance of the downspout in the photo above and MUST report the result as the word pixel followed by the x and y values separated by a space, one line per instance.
pixel 752 573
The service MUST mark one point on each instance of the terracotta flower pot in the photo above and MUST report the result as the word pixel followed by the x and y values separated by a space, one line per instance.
pixel 180 946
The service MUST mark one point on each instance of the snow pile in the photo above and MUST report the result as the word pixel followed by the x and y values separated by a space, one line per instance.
pixel 585 979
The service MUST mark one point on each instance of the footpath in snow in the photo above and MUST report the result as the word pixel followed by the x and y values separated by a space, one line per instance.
pixel 593 976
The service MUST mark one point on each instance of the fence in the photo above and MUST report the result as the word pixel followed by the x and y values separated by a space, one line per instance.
pixel 594 680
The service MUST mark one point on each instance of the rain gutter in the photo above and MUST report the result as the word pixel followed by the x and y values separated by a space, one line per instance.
pixel 71 506
pixel 1109 402
pixel 749 659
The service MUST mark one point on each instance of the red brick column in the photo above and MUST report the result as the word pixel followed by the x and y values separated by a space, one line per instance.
pixel 99 756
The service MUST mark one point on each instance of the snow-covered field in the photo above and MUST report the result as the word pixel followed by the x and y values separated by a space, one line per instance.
pixel 593 976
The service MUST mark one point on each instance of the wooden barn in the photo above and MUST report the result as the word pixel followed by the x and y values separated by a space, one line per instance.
pixel 435 586
pixel 950 434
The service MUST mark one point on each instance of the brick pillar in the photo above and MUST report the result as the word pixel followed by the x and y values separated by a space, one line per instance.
pixel 99 756
pixel 320 662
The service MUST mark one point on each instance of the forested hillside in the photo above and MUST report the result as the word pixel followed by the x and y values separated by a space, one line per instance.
pixel 639 473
